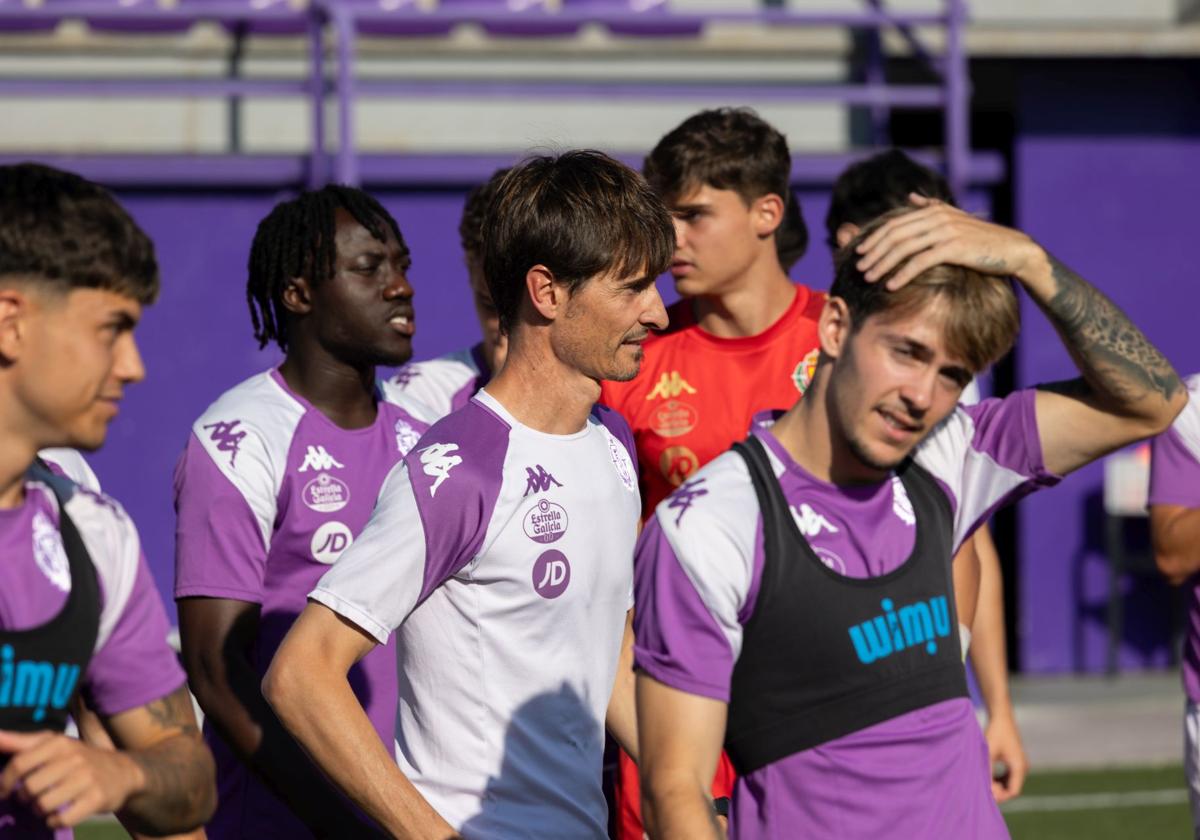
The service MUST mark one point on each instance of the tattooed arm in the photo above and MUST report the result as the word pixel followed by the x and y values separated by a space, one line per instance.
pixel 1126 392
pixel 160 779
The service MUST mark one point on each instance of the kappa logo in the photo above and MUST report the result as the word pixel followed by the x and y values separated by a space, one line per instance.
pixel 670 385
pixel 329 541
pixel 404 376
pixel 685 496
pixel 538 480
pixel 810 522
pixel 49 554
pixel 437 462
pixel 406 437
pixel 901 504
pixel 227 437
pixel 316 458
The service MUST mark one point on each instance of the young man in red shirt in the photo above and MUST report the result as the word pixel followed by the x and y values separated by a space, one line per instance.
pixel 743 338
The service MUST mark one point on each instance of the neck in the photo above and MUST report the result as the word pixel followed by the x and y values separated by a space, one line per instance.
pixel 16 454
pixel 343 392
pixel 751 304
pixel 539 390
pixel 811 434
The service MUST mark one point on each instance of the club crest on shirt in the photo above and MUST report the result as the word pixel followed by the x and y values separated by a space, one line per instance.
pixel 48 552
pixel 669 386
pixel 326 494
pixel 545 522
pixel 622 463
pixel 674 418
pixel 406 437
pixel 329 541
pixel 803 374
pixel 830 559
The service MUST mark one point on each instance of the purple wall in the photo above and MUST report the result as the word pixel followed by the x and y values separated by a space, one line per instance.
pixel 1105 171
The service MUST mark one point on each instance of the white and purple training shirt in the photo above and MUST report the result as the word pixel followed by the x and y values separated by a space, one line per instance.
pixel 132 665
pixel 444 384
pixel 502 558
pixel 269 492
pixel 699 562
pixel 1175 480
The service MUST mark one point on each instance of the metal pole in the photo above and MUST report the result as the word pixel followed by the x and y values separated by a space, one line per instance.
pixel 958 105
pixel 234 71
pixel 316 92
pixel 344 31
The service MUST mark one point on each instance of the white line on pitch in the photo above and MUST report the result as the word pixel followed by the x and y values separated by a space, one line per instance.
pixel 1096 801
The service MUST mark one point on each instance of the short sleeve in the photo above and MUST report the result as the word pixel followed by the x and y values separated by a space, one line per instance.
pixel 135 665
pixel 695 570
pixel 1175 457
pixel 430 521
pixel 986 456
pixel 225 510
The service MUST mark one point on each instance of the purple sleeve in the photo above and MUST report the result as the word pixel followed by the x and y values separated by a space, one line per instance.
pixel 677 641
pixel 219 549
pixel 135 665
pixel 1174 472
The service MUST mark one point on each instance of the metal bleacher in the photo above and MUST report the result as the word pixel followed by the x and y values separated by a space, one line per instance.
pixel 332 30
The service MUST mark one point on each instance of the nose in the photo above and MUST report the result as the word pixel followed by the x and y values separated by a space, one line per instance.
pixel 398 286
pixel 128 366
pixel 680 232
pixel 654 315
pixel 917 393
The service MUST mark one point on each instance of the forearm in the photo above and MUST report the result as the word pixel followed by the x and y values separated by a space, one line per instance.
pixel 1123 371
pixel 174 789
pixel 989 655
pixel 678 809
pixel 621 716
pixel 319 709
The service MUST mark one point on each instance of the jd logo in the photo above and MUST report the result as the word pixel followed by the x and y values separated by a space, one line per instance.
pixel 330 540
pixel 551 574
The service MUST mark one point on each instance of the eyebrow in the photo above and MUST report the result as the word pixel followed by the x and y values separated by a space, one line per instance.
pixel 122 320
pixel 961 374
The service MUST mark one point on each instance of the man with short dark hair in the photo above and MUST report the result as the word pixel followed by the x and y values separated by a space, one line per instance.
pixel 742 339
pixel 448 382
pixel 278 478
pixel 500 551
pixel 795 597
pixel 81 624
pixel 865 191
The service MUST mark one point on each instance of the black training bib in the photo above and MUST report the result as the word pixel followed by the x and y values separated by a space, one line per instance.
pixel 41 668
pixel 825 655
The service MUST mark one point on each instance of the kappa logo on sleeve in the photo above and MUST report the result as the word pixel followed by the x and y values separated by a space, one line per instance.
pixel 902 505
pixel 437 462
pixel 685 496
pixel 404 376
pixel 316 458
pixel 227 436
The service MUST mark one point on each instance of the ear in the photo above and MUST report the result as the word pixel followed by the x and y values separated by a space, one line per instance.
pixel 547 296
pixel 14 312
pixel 845 232
pixel 766 214
pixel 834 327
pixel 297 296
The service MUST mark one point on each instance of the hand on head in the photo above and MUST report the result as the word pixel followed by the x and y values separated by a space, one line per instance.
pixel 936 233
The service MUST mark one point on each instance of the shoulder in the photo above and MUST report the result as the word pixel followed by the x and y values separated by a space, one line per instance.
pixel 1187 425
pixel 431 386
pixel 714 511
pixel 810 303
pixel 461 455
pixel 252 422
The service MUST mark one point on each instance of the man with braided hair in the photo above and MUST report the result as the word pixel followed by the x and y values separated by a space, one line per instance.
pixel 448 382
pixel 278 478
